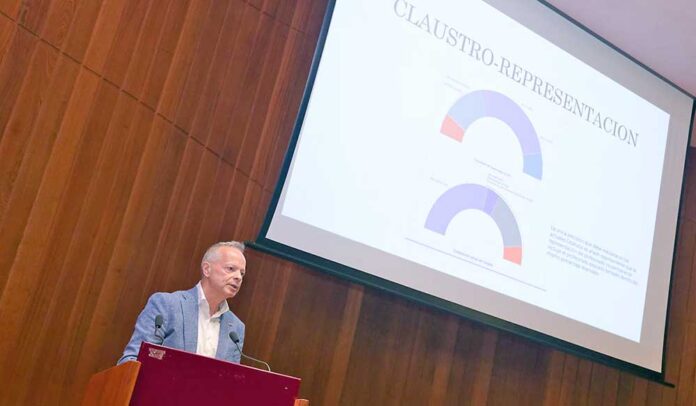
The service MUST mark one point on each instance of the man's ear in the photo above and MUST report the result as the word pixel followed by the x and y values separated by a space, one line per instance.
pixel 205 269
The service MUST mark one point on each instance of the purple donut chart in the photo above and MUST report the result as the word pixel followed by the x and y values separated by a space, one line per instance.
pixel 488 103
pixel 476 197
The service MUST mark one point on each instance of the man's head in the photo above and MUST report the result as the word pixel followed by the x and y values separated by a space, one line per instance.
pixel 222 269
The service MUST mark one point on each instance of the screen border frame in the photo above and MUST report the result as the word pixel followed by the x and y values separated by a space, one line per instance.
pixel 268 246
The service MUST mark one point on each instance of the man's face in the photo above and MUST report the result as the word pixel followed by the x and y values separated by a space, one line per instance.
pixel 226 272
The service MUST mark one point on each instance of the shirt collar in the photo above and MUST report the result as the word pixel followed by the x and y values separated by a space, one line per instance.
pixel 203 303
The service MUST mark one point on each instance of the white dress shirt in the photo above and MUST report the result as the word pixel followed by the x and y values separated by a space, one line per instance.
pixel 208 326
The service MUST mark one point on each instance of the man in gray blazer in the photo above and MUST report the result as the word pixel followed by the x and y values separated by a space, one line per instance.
pixel 197 320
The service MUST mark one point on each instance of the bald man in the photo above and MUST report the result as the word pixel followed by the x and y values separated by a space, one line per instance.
pixel 199 319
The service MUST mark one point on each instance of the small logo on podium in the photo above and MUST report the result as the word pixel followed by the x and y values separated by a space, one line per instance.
pixel 156 353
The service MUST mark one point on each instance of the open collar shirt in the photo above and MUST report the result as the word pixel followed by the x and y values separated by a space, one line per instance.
pixel 208 325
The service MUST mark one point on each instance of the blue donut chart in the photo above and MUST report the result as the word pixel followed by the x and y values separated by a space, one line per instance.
pixel 488 103
pixel 472 196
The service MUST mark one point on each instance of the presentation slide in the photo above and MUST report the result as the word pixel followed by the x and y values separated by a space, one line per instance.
pixel 451 149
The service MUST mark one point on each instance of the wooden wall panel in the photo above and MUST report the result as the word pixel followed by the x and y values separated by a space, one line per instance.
pixel 135 133
pixel 80 30
pixel 235 75
pixel 7 28
pixel 10 8
pixel 14 66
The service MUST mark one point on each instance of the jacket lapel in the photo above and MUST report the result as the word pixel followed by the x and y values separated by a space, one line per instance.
pixel 189 307
pixel 224 340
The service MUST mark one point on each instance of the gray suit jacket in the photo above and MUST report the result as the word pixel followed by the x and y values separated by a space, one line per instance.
pixel 180 328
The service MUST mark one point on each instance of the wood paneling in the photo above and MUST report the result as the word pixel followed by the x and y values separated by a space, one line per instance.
pixel 135 133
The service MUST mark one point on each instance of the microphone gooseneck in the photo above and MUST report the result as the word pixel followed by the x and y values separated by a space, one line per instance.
pixel 235 339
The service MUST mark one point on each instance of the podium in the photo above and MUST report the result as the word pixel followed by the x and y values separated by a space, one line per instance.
pixel 167 376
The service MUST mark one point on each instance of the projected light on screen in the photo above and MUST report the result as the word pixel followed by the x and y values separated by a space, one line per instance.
pixel 488 103
pixel 381 187
pixel 477 197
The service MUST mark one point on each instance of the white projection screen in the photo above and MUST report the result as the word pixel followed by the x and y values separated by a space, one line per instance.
pixel 493 159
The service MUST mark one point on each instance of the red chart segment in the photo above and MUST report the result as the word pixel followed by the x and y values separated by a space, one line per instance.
pixel 488 103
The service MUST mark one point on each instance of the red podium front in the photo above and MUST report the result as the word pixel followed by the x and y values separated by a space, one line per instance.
pixel 168 376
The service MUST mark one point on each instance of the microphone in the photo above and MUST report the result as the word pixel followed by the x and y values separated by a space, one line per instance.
pixel 235 339
pixel 159 320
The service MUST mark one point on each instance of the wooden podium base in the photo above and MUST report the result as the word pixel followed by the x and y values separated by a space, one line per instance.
pixel 113 386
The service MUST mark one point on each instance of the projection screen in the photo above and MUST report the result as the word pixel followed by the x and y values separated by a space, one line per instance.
pixel 493 159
